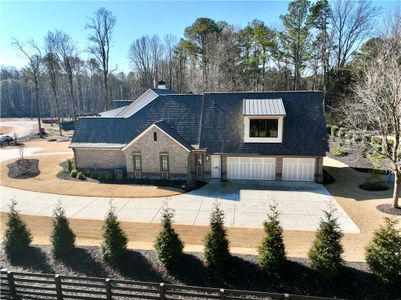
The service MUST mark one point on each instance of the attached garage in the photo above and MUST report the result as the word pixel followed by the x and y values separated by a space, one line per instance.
pixel 258 168
pixel 299 169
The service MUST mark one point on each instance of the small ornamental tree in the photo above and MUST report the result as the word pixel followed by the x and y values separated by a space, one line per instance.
pixel 114 242
pixel 272 250
pixel 217 252
pixel 62 238
pixel 168 244
pixel 383 254
pixel 17 236
pixel 325 253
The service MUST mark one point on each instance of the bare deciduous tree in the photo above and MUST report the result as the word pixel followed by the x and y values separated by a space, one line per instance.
pixel 32 52
pixel 377 105
pixel 352 22
pixel 53 70
pixel 101 27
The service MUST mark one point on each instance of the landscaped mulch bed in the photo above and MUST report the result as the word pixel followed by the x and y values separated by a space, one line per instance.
pixel 23 169
pixel 178 184
pixel 354 282
pixel 357 155
pixel 389 209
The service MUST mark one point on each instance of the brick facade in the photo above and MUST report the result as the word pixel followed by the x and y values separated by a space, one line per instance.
pixel 150 151
pixel 99 159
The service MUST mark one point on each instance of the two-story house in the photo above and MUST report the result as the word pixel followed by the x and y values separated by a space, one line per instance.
pixel 210 136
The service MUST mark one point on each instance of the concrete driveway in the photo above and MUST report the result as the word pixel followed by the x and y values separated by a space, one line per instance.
pixel 245 204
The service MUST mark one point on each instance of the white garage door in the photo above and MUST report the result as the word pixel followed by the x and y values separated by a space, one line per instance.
pixel 260 168
pixel 299 169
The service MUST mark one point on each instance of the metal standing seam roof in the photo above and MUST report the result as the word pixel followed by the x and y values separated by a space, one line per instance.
pixel 263 107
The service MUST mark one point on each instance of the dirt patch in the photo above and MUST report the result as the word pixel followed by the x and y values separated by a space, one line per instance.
pixel 243 272
pixel 23 169
pixel 47 182
pixel 5 129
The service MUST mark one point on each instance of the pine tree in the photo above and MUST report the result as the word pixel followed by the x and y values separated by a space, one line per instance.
pixel 114 242
pixel 62 238
pixel 272 250
pixel 17 237
pixel 383 254
pixel 217 252
pixel 325 253
pixel 168 244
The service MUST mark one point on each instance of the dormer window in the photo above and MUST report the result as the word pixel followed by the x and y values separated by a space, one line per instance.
pixel 263 120
pixel 263 128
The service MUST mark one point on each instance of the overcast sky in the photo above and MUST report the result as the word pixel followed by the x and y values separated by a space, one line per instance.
pixel 33 19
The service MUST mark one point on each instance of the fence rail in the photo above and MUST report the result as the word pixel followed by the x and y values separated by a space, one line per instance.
pixel 21 285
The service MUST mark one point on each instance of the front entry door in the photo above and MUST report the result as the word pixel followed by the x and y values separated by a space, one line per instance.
pixel 216 166
pixel 199 166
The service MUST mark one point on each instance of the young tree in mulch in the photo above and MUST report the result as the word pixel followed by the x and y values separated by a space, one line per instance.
pixel 383 254
pixel 217 253
pixel 114 243
pixel 272 251
pixel 17 237
pixel 325 253
pixel 168 244
pixel 62 238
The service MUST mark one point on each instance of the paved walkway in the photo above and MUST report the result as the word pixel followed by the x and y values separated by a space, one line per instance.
pixel 245 205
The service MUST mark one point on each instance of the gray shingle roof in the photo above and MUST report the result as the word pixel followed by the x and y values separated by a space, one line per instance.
pixel 180 112
pixel 164 91
pixel 113 112
pixel 222 123
pixel 304 131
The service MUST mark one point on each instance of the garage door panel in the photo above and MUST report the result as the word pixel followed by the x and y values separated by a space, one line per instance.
pixel 299 169
pixel 251 168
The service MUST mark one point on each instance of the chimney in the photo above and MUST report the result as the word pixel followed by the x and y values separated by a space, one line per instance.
pixel 161 85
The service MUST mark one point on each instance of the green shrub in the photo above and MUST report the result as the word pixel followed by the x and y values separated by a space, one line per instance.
pixel 94 175
pixel 334 130
pixel 374 182
pixel 325 253
pixel 168 244
pixel 62 238
pixel 338 151
pixel 101 176
pixel 217 253
pixel 17 237
pixel 74 173
pixel 108 176
pixel 390 145
pixel 119 176
pixel 383 253
pixel 114 240
pixel 69 165
pixel 80 176
pixel 328 127
pixel 377 143
pixel 272 251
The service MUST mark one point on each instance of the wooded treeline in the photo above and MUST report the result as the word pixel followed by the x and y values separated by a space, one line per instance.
pixel 315 47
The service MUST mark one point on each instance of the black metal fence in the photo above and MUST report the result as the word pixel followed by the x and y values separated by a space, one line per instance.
pixel 18 285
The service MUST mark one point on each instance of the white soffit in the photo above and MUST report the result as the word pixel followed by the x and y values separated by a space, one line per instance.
pixel 263 107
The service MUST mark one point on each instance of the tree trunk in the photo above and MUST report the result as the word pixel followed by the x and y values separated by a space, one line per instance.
pixel 397 183
pixel 106 94
pixel 74 108
pixel 38 106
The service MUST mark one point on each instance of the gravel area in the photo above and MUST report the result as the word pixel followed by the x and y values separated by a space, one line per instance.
pixel 354 282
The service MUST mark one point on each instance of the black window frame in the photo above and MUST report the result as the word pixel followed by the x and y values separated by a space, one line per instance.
pixel 256 130
pixel 155 136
